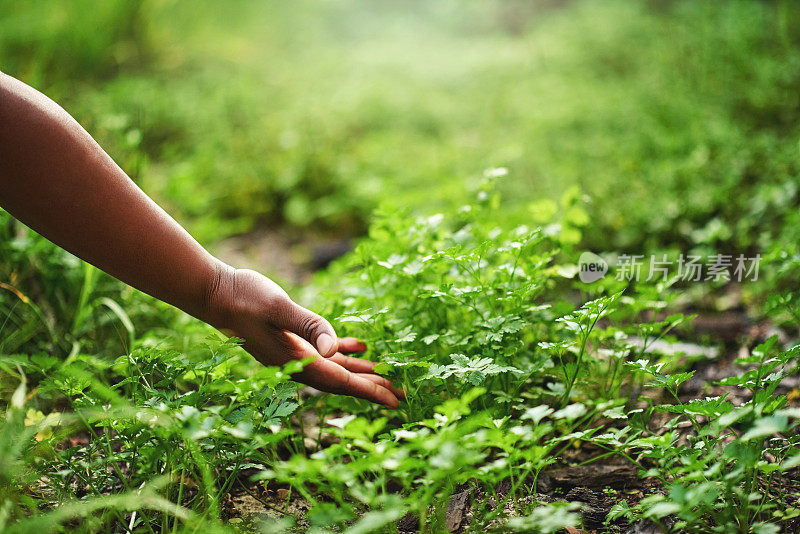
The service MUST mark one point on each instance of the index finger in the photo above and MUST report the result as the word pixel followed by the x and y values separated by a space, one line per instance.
pixel 331 377
pixel 350 345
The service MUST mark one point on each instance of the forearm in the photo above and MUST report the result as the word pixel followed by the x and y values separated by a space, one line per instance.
pixel 56 179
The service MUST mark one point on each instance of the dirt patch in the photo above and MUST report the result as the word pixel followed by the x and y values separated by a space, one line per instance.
pixel 279 255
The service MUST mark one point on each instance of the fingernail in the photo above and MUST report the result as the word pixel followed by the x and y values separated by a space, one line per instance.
pixel 325 344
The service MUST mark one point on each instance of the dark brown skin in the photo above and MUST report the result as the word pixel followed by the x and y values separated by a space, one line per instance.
pixel 57 180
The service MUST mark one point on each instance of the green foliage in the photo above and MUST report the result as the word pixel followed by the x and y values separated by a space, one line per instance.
pixel 678 119
pixel 724 475
pixel 49 44
pixel 51 302
pixel 468 304
pixel 457 308
pixel 167 439
pixel 424 462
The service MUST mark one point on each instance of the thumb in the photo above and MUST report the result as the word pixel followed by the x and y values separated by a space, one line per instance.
pixel 308 325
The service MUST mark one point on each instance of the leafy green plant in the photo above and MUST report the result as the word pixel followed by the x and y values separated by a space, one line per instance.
pixel 470 305
pixel 461 306
pixel 183 428
pixel 375 475
pixel 680 121
pixel 723 472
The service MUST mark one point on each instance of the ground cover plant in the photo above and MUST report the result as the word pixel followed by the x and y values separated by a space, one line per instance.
pixel 535 402
pixel 499 386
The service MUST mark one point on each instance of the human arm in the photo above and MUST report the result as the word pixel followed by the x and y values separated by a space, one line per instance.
pixel 56 179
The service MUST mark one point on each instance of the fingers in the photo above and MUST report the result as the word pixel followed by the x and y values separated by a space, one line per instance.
pixel 351 345
pixel 326 375
pixel 308 325
pixel 356 365
pixel 365 386
pixel 386 383
pixel 364 368
pixel 339 374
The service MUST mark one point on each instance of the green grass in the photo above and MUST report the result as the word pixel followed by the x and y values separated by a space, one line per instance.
pixel 638 127
pixel 311 115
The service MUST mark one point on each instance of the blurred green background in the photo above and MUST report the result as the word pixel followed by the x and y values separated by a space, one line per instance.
pixel 678 119
pixel 274 129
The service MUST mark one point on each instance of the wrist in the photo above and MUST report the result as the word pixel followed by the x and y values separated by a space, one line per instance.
pixel 219 298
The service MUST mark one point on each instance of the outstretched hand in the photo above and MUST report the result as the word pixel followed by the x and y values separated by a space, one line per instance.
pixel 277 330
pixel 56 179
